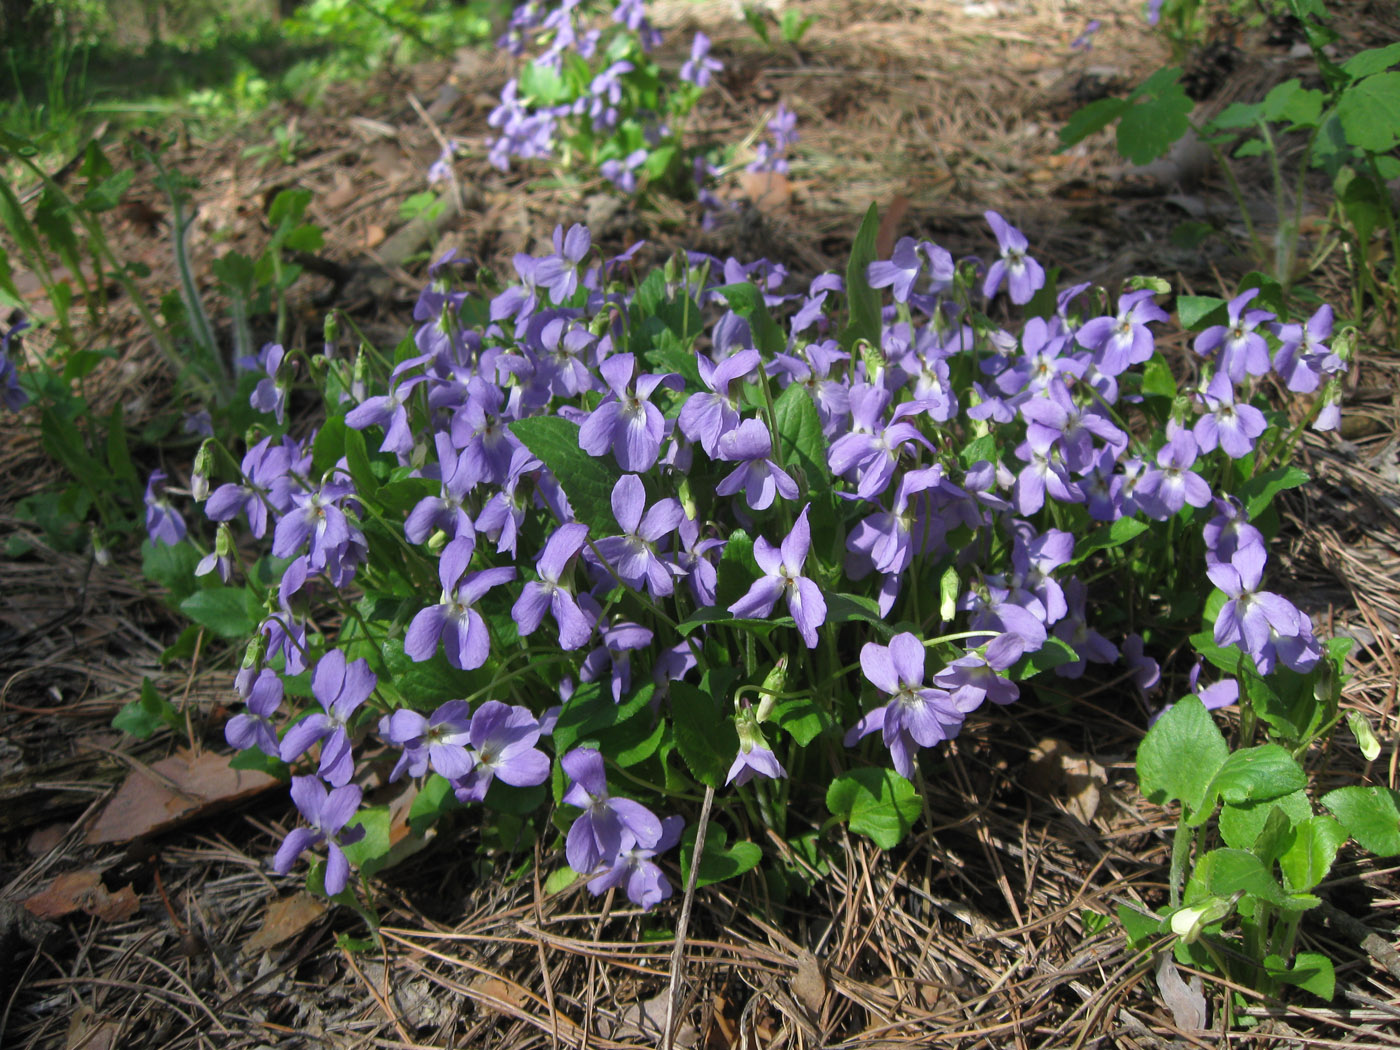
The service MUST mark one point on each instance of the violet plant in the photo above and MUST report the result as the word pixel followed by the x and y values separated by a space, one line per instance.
pixel 615 545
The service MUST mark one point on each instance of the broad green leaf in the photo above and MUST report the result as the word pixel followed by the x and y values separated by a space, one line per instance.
pixel 1372 60
pixel 863 302
pixel 1311 971
pixel 800 439
pixel 1107 537
pixel 1253 774
pixel 800 718
pixel 1086 120
pixel 1292 102
pixel 375 820
pixel 148 714
pixel 1258 492
pixel 720 615
pixel 172 567
pixel 720 861
pixel 357 459
pixel 1370 815
pixel 1158 115
pixel 845 608
pixel 1157 378
pixel 1225 872
pixel 1312 848
pixel 705 733
pixel 1238 115
pixel 1139 927
pixel 586 481
pixel 424 685
pixel 1053 653
pixel 1180 756
pixel 229 612
pixel 1370 113
pixel 875 802
pixel 1197 311
pixel 434 799
pixel 1241 823
pixel 329 446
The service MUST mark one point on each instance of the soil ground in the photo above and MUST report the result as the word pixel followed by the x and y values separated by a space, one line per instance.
pixel 983 933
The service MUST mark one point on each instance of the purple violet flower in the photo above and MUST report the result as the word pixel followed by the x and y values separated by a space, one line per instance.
pixel 460 627
pixel 1238 349
pixel 782 567
pixel 627 421
pixel 1122 341
pixel 254 727
pixel 762 480
pixel 503 745
pixel 1166 488
pixel 706 417
pixel 1022 275
pixel 340 688
pixel 327 813
pixel 646 883
pixel 916 715
pixel 1227 424
pixel 700 67
pixel 438 740
pixel 596 838
pixel 550 594
pixel 163 522
pixel 633 555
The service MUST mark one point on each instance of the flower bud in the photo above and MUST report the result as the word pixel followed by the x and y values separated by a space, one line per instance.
pixel 1188 923
pixel 331 331
pixel 256 653
pixel 203 465
pixel 1365 738
pixel 773 684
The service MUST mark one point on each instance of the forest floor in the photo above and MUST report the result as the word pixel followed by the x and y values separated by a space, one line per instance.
pixel 988 931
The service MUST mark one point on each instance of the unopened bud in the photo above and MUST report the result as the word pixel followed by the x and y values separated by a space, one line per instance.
pixel 1365 738
pixel 774 683
pixel 256 653
pixel 203 466
pixel 1189 923
pixel 331 331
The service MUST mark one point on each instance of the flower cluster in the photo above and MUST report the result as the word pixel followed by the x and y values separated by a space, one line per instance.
pixel 563 538
pixel 594 93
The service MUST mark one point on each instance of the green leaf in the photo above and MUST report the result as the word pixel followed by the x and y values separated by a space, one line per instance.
pixel 1310 971
pixel 846 608
pixel 1369 111
pixel 1158 115
pixel 591 711
pixel 720 861
pixel 425 684
pixel 863 302
pixel 800 439
pixel 375 820
pixel 1139 927
pixel 1241 823
pixel 329 445
pixel 800 718
pixel 1108 537
pixel 229 612
pixel 1310 852
pixel 357 459
pixel 1197 311
pixel 1089 119
pixel 1258 492
pixel 148 714
pixel 1225 872
pixel 1255 774
pixel 1180 756
pixel 172 567
pixel 1292 102
pixel 875 802
pixel 434 799
pixel 1371 815
pixel 1239 115
pixel 1372 60
pixel 1157 378
pixel 1053 653
pixel 705 734
pixel 588 482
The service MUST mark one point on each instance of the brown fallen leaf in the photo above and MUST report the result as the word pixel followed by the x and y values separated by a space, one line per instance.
pixel 808 985
pixel 174 791
pixel 83 891
pixel 45 839
pixel 768 190
pixel 375 235
pixel 1056 770
pixel 284 919
pixel 86 1032
pixel 646 1019
pixel 1187 1002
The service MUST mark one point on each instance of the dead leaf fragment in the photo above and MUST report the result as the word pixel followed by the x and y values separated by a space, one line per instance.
pixel 769 191
pixel 83 891
pixel 86 1032
pixel 1056 770
pixel 809 986
pixel 173 791
pixel 1187 1002
pixel 284 919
